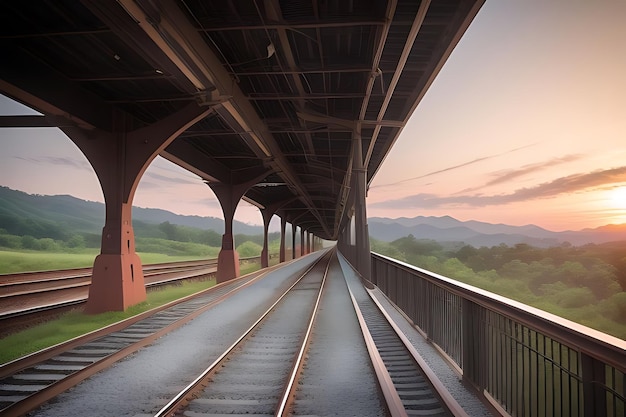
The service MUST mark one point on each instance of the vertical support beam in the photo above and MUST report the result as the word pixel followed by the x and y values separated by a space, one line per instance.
pixel 283 229
pixel 117 275
pixel 293 240
pixel 119 159
pixel 267 217
pixel 229 196
pixel 228 258
pixel 268 212
pixel 302 242
pixel 363 255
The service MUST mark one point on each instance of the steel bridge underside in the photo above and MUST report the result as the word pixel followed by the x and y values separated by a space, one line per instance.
pixel 290 105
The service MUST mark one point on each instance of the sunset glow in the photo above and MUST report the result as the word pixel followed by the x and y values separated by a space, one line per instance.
pixel 618 198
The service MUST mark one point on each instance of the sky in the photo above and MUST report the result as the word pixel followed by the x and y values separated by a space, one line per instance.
pixel 525 124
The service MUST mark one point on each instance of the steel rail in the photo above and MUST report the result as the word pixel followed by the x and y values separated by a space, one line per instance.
pixel 83 275
pixel 37 398
pixel 451 403
pixel 186 393
pixel 394 403
pixel 30 277
pixel 13 285
pixel 39 277
pixel 288 394
pixel 23 309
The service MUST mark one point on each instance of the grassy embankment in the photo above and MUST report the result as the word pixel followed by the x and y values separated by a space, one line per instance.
pixel 75 323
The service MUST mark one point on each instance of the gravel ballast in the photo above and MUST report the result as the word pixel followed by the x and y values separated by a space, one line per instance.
pixel 142 383
pixel 338 379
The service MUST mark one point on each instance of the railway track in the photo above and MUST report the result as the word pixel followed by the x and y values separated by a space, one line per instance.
pixel 408 384
pixel 30 381
pixel 29 298
pixel 264 371
pixel 256 374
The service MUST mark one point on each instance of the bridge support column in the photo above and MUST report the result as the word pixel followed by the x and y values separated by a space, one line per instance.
pixel 302 241
pixel 293 240
pixel 229 196
pixel 283 229
pixel 265 258
pixel 228 258
pixel 119 159
pixel 363 254
pixel 267 213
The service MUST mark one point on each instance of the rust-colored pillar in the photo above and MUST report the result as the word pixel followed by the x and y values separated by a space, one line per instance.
pixel 119 159
pixel 267 217
pixel 228 258
pixel 283 229
pixel 229 196
pixel 267 213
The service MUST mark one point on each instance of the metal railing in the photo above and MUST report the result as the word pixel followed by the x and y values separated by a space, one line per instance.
pixel 525 361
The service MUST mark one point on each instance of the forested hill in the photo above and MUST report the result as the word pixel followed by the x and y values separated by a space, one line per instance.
pixel 27 214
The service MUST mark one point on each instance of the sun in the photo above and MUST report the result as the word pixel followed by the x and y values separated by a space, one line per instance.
pixel 618 197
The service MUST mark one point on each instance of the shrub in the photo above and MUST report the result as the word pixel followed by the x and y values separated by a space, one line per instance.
pixel 249 249
pixel 29 242
pixel 10 241
pixel 75 241
pixel 49 245
pixel 575 297
pixel 614 307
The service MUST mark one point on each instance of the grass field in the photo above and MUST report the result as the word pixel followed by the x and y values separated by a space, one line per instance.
pixel 12 262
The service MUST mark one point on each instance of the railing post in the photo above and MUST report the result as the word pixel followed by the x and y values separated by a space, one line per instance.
pixel 473 347
pixel 429 303
pixel 594 377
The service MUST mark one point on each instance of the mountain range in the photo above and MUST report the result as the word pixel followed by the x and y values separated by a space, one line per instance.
pixel 477 234
pixel 88 216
